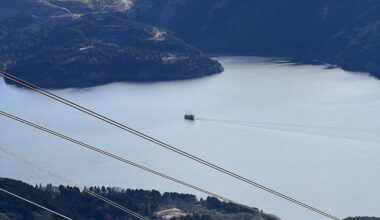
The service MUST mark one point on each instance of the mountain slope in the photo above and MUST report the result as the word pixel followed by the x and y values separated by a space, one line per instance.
pixel 342 32
pixel 66 43
pixel 54 47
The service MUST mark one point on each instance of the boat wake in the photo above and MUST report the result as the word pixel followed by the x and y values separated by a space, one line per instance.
pixel 295 128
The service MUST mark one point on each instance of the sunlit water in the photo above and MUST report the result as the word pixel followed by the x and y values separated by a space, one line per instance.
pixel 307 131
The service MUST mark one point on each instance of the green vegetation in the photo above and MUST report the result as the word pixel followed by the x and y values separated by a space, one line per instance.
pixel 78 205
pixel 340 32
pixel 62 49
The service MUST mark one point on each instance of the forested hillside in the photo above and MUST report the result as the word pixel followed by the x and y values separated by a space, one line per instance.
pixel 340 32
pixel 78 205
pixel 53 47
pixel 78 43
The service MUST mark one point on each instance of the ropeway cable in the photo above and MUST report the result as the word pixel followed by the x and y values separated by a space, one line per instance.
pixel 35 204
pixel 162 144
pixel 96 149
pixel 51 173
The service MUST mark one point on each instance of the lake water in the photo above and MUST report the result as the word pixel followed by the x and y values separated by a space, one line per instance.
pixel 307 131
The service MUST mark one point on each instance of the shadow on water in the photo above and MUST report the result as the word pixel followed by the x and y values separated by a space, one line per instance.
pixel 304 61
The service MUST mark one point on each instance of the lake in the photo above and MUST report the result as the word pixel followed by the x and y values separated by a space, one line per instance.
pixel 308 131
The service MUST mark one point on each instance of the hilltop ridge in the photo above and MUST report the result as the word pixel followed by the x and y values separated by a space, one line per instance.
pixel 54 47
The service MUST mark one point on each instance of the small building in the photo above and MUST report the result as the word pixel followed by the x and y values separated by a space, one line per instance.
pixel 168 214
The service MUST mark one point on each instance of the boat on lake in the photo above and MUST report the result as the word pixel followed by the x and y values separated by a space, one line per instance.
pixel 189 116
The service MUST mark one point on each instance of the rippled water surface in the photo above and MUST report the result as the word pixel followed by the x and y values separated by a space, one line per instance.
pixel 307 131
